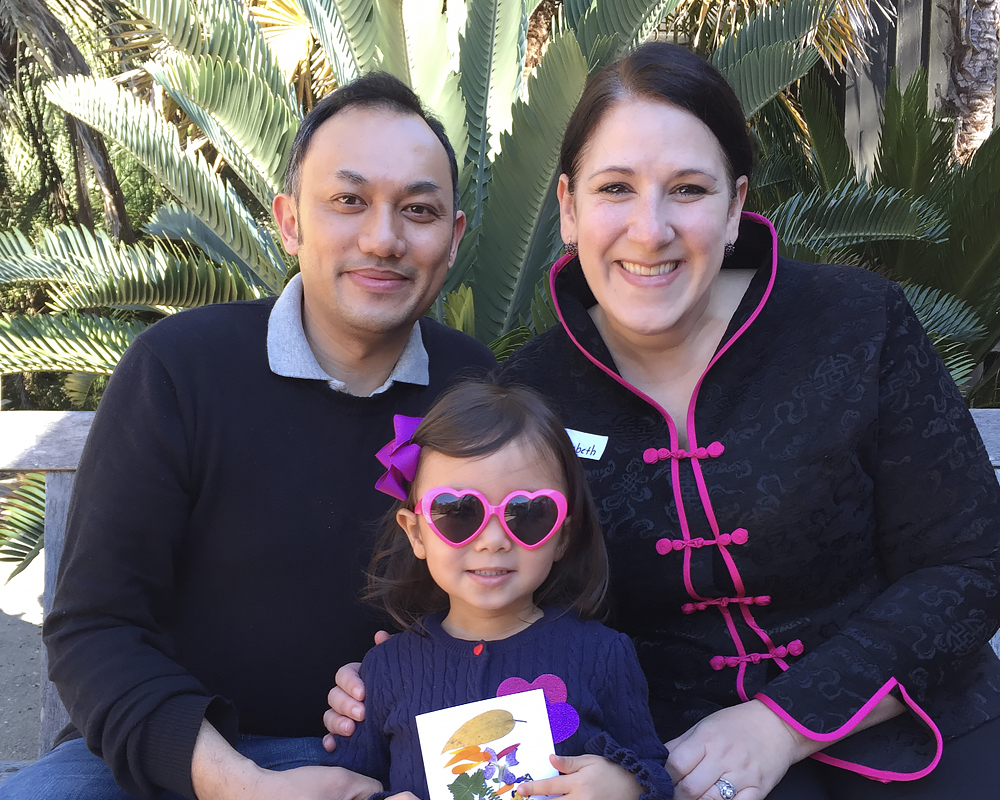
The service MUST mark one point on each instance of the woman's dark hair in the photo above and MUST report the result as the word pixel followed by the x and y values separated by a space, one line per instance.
pixel 667 72
pixel 471 420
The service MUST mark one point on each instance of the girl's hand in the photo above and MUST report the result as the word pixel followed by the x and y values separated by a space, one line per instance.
pixel 747 745
pixel 404 796
pixel 346 700
pixel 585 778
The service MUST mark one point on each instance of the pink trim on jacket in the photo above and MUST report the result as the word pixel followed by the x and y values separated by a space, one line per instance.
pixel 723 541
pixel 884 776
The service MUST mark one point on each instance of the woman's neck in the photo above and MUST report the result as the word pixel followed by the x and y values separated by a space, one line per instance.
pixel 487 627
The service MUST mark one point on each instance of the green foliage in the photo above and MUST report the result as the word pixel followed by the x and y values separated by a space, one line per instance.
pixel 22 522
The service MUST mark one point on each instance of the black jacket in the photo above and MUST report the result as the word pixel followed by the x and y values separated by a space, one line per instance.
pixel 830 535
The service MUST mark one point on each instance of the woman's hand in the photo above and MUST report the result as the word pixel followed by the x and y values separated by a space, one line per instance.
pixel 346 700
pixel 747 745
pixel 585 778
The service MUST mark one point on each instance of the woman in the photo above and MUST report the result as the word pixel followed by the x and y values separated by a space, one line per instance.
pixel 800 515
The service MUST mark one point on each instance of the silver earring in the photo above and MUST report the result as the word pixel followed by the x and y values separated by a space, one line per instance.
pixel 571 248
pixel 729 249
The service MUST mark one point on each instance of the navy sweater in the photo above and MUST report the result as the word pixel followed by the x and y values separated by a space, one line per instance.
pixel 412 674
pixel 219 529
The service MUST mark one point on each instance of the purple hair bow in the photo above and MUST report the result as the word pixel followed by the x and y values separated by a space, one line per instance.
pixel 400 457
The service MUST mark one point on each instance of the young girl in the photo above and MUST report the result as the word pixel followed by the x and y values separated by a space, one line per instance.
pixel 491 563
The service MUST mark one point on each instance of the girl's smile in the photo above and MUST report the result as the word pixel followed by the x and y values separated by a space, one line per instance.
pixel 490 581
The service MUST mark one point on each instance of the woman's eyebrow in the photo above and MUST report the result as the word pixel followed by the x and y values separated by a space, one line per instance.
pixel 629 172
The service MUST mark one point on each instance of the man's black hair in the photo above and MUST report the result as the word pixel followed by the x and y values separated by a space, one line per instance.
pixel 374 90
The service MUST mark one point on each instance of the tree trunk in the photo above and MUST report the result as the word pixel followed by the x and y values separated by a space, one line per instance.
pixel 972 81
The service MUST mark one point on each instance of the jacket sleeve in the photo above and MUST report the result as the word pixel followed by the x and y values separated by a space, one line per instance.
pixel 367 750
pixel 110 652
pixel 629 737
pixel 937 508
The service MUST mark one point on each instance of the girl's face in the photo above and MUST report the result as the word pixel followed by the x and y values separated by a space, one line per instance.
pixel 492 579
pixel 651 212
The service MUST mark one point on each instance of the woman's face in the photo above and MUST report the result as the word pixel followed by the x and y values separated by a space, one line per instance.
pixel 651 212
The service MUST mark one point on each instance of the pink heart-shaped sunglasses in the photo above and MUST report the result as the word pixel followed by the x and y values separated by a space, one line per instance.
pixel 459 515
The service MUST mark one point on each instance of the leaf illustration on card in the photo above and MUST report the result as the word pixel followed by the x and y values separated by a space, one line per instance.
pixel 486 727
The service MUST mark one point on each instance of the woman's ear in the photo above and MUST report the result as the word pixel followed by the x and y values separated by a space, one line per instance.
pixel 409 522
pixel 567 212
pixel 736 209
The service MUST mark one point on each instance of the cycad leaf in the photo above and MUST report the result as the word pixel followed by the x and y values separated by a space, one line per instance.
pixel 914 148
pixel 543 315
pixel 790 22
pixel 22 521
pixel 425 59
pixel 854 214
pixel 974 247
pixel 347 31
pixel 249 125
pixel 762 73
pixel 943 315
pixel 460 310
pixel 490 72
pixel 89 270
pixel 522 175
pixel 176 223
pixel 64 343
pixel 78 385
pixel 831 154
pixel 628 22
pixel 217 28
pixel 153 142
pixel 503 347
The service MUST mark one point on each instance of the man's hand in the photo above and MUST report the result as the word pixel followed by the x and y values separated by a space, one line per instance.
pixel 218 772
pixel 346 700
pixel 585 778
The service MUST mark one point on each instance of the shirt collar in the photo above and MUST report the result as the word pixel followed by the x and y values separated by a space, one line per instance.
pixel 289 354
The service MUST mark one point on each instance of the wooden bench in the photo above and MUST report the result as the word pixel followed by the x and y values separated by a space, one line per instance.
pixel 52 442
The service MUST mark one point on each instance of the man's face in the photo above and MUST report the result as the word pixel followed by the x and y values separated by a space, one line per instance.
pixel 373 225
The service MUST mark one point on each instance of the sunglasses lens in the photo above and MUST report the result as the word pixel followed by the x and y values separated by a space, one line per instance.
pixel 531 519
pixel 457 518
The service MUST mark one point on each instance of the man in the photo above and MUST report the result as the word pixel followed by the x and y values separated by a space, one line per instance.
pixel 225 508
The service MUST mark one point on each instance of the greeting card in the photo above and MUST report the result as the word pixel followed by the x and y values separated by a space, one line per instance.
pixel 484 750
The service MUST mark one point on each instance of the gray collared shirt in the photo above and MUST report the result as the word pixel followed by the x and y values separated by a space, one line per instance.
pixel 289 354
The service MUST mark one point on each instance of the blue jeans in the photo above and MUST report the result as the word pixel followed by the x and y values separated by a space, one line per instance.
pixel 72 772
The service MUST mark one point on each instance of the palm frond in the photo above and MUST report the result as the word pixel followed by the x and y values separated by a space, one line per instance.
pixel 762 73
pixel 64 343
pixel 850 214
pixel 914 148
pixel 943 315
pixel 249 125
pixel 489 77
pixel 417 53
pixel 219 28
pixel 523 175
pixel 347 31
pixel 503 347
pixel 789 22
pixel 831 155
pixel 628 22
pixel 22 522
pixel 186 175
pixel 460 310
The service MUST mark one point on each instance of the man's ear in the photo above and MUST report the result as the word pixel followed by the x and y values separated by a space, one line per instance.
pixel 285 212
pixel 409 522
pixel 456 236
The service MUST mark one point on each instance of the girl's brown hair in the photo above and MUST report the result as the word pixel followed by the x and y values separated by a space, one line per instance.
pixel 471 420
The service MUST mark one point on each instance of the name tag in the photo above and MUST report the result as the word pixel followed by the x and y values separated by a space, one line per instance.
pixel 588 445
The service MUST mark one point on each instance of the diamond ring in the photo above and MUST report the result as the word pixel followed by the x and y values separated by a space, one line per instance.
pixel 726 790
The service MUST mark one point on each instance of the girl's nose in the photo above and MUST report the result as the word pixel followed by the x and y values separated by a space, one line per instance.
pixel 493 538
pixel 380 234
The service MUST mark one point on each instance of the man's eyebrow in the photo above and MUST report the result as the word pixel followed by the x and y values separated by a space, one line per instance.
pixel 416 187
